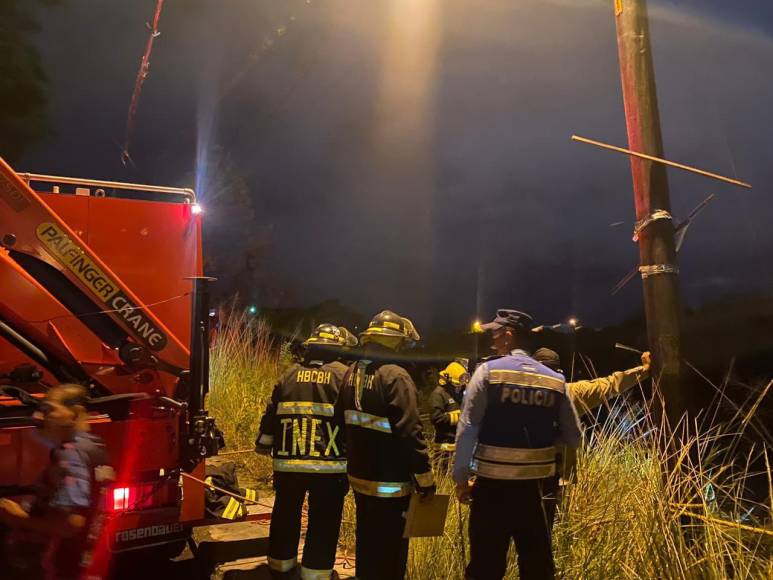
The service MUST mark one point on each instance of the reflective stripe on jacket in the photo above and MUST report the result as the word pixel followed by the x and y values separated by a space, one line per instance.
pixel 299 424
pixel 386 451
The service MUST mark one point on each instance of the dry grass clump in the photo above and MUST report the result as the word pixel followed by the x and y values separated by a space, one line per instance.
pixel 245 364
pixel 650 503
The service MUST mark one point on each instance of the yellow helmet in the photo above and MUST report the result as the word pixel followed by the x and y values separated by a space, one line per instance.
pixel 454 373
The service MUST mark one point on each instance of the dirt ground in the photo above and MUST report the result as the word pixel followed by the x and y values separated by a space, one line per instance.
pixel 231 551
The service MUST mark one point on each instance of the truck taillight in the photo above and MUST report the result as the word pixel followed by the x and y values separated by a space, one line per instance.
pixel 120 499
pixel 136 497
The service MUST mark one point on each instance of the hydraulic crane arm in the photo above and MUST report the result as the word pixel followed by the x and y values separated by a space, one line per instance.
pixel 39 240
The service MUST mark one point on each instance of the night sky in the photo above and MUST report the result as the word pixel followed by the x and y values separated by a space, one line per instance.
pixel 415 154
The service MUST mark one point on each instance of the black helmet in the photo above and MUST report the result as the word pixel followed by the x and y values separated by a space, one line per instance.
pixel 387 323
pixel 350 340
pixel 330 335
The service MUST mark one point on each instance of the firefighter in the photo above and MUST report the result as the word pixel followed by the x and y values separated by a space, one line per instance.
pixel 52 537
pixel 385 445
pixel 445 408
pixel 515 411
pixel 300 430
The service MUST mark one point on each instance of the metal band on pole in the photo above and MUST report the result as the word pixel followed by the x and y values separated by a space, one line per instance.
pixel 655 269
pixel 658 214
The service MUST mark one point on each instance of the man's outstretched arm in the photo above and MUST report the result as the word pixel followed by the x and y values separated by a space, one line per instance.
pixel 587 395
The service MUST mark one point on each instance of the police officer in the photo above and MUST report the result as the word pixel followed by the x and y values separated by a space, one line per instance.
pixel 387 453
pixel 445 408
pixel 299 428
pixel 515 412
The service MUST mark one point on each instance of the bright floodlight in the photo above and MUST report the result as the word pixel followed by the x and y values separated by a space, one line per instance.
pixel 196 209
pixel 573 321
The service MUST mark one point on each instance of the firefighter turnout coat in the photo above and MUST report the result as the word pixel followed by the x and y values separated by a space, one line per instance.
pixel 385 444
pixel 445 409
pixel 299 424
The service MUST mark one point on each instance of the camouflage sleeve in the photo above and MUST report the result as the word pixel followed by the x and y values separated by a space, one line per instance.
pixel 587 395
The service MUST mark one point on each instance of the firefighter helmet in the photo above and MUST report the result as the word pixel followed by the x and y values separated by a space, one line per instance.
pixel 387 323
pixel 454 373
pixel 327 334
pixel 350 339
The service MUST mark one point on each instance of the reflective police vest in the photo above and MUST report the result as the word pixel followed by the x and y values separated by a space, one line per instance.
pixel 299 423
pixel 518 433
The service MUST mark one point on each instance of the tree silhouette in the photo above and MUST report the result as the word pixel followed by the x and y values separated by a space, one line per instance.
pixel 23 86
pixel 236 241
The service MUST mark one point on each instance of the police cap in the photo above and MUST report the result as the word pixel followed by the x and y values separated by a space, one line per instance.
pixel 506 318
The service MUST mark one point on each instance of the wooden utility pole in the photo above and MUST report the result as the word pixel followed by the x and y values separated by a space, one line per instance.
pixel 653 207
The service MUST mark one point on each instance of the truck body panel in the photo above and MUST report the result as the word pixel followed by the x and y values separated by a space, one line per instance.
pixel 97 282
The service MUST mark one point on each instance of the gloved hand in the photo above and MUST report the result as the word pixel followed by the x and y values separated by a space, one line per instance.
pixel 425 484
pixel 646 361
pixel 264 443
pixel 261 450
pixel 426 493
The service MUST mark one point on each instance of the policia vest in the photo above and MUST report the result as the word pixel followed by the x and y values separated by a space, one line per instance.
pixel 299 424
pixel 385 444
pixel 519 430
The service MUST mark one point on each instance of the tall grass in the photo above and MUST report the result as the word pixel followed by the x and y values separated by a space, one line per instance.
pixel 245 364
pixel 640 505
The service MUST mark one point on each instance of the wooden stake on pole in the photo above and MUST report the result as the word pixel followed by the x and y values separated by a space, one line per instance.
pixel 659 160
pixel 657 250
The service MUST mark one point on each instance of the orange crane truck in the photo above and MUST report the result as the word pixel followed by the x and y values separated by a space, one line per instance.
pixel 101 284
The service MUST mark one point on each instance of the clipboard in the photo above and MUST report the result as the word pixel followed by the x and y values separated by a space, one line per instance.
pixel 426 518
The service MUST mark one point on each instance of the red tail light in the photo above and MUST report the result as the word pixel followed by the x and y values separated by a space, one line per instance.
pixel 136 497
pixel 120 499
